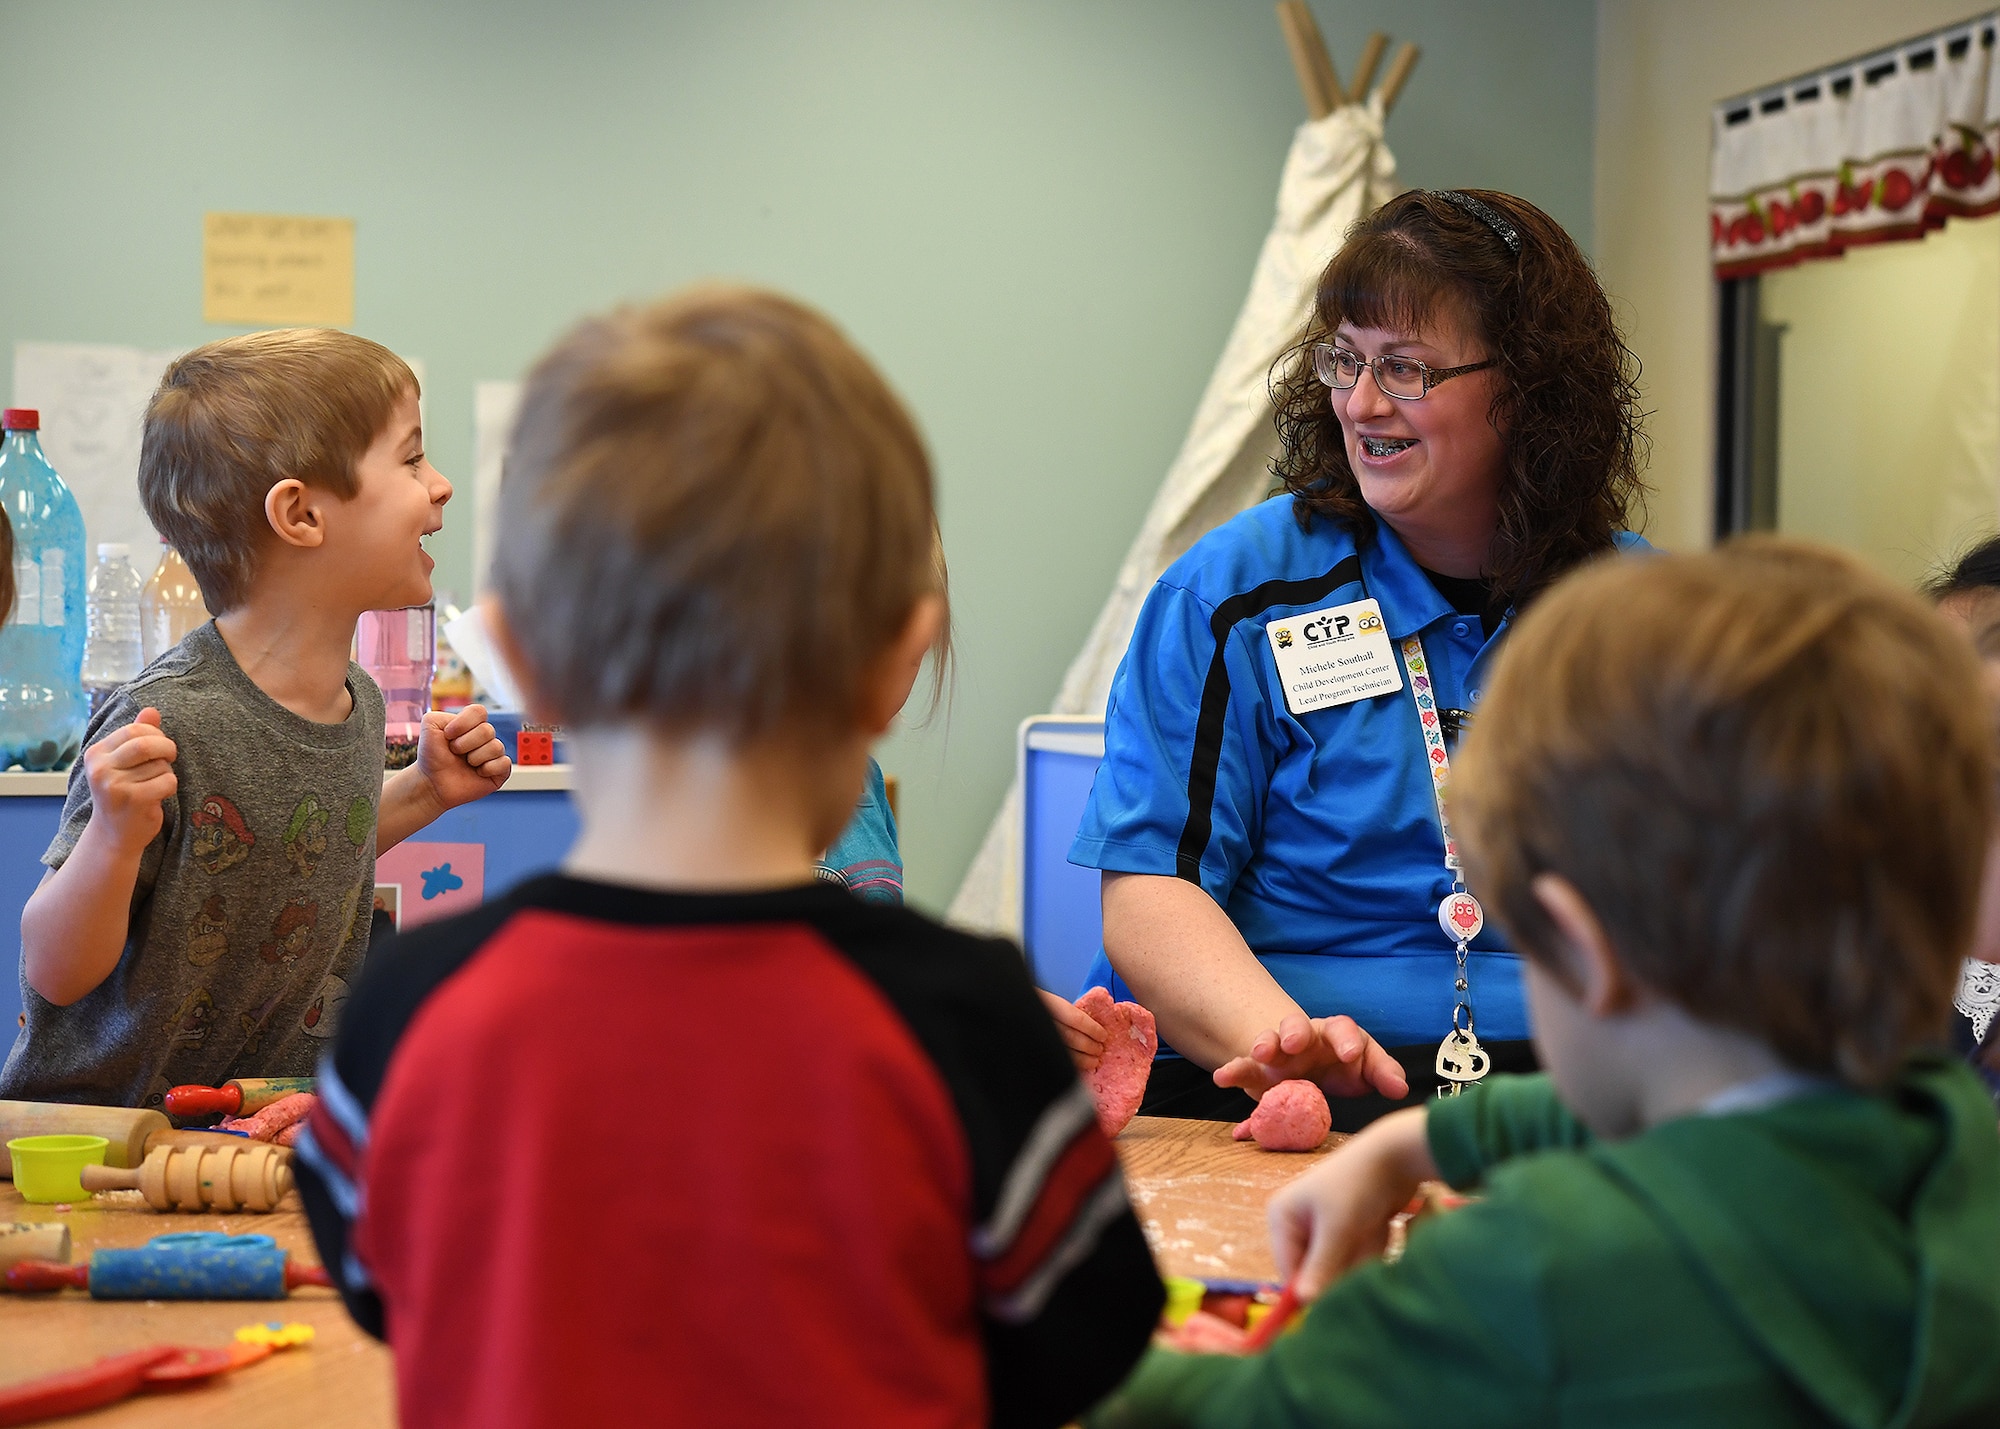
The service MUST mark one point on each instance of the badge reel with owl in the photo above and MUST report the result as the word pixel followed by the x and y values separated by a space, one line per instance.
pixel 1460 1058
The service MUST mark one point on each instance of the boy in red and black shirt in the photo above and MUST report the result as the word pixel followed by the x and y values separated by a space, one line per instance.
pixel 681 1135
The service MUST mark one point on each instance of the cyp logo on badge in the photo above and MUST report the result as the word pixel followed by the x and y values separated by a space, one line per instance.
pixel 1330 625
pixel 1333 656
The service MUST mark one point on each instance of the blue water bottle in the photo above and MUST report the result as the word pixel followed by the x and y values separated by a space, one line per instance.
pixel 42 707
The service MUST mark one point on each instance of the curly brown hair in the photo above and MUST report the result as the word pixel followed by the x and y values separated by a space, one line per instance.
pixel 1568 398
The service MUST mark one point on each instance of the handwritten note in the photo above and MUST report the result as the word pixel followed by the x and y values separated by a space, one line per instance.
pixel 274 270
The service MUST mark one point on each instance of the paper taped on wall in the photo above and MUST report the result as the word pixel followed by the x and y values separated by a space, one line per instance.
pixel 277 270
pixel 92 397
pixel 493 407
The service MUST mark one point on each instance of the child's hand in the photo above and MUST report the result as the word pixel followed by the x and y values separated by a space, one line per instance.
pixel 1333 1052
pixel 74 926
pixel 131 773
pixel 1338 1213
pixel 1080 1032
pixel 461 757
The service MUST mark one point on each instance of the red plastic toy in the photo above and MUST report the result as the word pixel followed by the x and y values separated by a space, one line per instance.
pixel 535 746
pixel 117 1377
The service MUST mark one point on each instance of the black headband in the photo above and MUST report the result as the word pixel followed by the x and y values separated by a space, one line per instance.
pixel 1484 214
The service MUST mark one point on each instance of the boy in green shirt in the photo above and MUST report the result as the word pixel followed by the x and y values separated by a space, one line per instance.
pixel 1733 809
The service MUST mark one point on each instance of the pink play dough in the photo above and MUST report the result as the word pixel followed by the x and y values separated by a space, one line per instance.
pixel 273 1121
pixel 1130 1039
pixel 1293 1116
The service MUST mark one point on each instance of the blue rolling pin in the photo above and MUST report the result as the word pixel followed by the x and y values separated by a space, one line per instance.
pixel 188 1265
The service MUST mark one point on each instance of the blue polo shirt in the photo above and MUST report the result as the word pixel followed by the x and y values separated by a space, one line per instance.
pixel 1317 833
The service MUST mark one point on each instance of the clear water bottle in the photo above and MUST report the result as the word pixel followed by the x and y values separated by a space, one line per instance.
pixel 170 605
pixel 42 708
pixel 398 649
pixel 113 655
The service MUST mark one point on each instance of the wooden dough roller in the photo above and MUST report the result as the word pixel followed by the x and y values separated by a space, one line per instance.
pixel 32 1240
pixel 132 1131
pixel 229 1174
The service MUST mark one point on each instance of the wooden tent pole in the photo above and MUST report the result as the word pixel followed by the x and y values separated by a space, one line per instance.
pixel 1399 75
pixel 1293 19
pixel 1371 56
pixel 1329 81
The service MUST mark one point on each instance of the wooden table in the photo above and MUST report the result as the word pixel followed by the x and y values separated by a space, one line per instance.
pixel 1199 1195
pixel 343 1380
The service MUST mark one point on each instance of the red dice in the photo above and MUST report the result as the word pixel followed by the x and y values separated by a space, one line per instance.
pixel 535 746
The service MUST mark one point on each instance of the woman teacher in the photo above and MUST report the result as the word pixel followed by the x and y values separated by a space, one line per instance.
pixel 1460 427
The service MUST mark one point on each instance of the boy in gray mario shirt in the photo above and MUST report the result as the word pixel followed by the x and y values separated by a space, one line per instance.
pixel 211 886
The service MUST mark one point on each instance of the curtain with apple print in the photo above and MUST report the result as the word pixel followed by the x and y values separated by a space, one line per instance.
pixel 1887 146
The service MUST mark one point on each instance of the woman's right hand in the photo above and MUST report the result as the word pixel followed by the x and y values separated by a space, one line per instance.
pixel 1338 1213
pixel 1333 1052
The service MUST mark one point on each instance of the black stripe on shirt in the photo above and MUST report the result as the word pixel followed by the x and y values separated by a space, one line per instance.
pixel 1215 699
pixel 1080 1315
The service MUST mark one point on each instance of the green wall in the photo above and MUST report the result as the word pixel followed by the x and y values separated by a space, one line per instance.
pixel 1038 216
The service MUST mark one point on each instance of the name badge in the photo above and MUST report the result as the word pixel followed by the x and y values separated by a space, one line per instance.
pixel 1333 656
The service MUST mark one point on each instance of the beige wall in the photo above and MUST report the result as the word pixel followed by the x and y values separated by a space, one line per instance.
pixel 1661 65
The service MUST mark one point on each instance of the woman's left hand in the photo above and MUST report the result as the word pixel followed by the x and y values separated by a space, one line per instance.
pixel 1332 1052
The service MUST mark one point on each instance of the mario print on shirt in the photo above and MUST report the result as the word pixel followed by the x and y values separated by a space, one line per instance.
pixel 322 1014
pixel 291 931
pixel 360 820
pixel 305 836
pixel 221 838
pixel 208 933
pixel 192 1021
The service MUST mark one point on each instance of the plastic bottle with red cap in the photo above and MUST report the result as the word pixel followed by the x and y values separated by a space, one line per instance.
pixel 42 708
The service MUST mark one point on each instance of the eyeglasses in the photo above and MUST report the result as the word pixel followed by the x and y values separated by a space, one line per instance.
pixel 1403 378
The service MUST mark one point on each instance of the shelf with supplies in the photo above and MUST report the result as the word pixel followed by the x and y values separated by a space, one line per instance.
pixel 526 779
pixel 469 854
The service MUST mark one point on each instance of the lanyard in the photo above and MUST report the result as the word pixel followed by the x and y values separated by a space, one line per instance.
pixel 1460 1058
pixel 1437 757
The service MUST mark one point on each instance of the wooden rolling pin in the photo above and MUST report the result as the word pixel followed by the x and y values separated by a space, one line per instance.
pixel 228 1174
pixel 32 1240
pixel 239 1096
pixel 132 1131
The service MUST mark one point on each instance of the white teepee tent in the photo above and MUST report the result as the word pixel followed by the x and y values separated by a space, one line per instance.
pixel 1338 170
